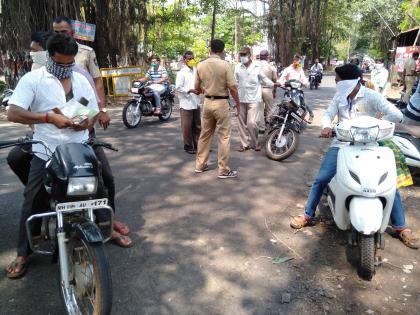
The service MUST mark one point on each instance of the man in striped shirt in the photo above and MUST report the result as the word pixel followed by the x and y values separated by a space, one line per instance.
pixel 159 77
pixel 412 112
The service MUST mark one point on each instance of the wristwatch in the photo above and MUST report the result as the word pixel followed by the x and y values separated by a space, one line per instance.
pixel 103 110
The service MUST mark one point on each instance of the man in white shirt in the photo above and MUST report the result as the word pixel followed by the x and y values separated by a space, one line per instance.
pixel 294 72
pixel 352 99
pixel 188 103
pixel 45 91
pixel 379 76
pixel 249 76
pixel 318 68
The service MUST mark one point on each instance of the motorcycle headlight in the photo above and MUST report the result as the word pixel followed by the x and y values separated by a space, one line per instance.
pixel 364 135
pixel 295 85
pixel 79 186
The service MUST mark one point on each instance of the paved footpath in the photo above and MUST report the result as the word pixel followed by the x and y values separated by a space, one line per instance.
pixel 206 246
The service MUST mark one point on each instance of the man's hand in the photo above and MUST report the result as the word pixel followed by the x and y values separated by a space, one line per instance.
pixel 60 121
pixel 193 91
pixel 83 126
pixel 238 109
pixel 326 133
pixel 104 120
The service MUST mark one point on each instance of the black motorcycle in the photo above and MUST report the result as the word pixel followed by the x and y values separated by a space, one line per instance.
pixel 285 122
pixel 68 230
pixel 314 79
pixel 144 104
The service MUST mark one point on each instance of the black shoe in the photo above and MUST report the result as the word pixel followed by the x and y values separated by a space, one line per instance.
pixel 191 151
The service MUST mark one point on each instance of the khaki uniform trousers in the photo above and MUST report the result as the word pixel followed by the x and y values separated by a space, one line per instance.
pixel 409 84
pixel 268 99
pixel 216 117
pixel 248 124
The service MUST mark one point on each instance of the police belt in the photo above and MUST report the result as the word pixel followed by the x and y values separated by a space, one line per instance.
pixel 217 97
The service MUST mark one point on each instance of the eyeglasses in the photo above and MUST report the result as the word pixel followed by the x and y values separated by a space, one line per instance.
pixel 62 32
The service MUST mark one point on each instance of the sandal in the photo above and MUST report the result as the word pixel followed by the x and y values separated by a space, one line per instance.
pixel 121 227
pixel 121 240
pixel 20 265
pixel 409 238
pixel 300 221
pixel 257 148
pixel 243 149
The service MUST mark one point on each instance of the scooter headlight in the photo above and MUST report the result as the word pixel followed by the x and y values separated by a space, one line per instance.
pixel 385 133
pixel 364 135
pixel 343 134
pixel 80 186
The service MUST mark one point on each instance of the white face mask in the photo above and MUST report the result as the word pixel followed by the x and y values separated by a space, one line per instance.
pixel 344 88
pixel 39 59
pixel 244 59
pixel 379 66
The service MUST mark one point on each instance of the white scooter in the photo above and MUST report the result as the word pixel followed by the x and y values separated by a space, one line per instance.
pixel 362 192
pixel 407 138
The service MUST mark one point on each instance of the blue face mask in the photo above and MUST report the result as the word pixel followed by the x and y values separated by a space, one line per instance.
pixel 58 70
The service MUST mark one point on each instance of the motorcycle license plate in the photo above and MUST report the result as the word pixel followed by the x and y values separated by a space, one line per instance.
pixel 296 117
pixel 135 90
pixel 79 205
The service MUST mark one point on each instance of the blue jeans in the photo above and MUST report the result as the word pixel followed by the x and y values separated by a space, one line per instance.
pixel 326 173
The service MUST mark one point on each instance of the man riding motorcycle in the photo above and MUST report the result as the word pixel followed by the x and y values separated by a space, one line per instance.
pixel 159 77
pixel 44 91
pixel 317 67
pixel 351 99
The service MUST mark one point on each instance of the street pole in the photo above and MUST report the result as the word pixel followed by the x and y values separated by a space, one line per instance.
pixel 236 36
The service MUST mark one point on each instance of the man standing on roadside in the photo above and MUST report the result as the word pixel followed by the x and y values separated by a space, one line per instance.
pixel 188 103
pixel 268 92
pixel 409 76
pixel 215 79
pixel 250 76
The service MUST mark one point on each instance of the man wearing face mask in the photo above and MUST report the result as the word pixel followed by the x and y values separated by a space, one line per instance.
pixel 379 76
pixel 188 103
pixel 159 77
pixel 249 76
pixel 410 75
pixel 37 49
pixel 295 72
pixel 351 99
pixel 44 90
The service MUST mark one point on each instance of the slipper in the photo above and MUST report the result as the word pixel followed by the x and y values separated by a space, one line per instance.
pixel 257 148
pixel 122 241
pixel 20 265
pixel 243 149
pixel 409 238
pixel 121 227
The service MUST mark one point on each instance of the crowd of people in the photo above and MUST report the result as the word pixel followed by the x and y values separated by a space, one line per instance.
pixel 64 70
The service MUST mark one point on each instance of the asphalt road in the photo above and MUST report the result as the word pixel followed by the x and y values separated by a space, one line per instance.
pixel 207 246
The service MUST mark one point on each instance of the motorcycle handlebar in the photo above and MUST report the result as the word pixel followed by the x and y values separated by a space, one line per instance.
pixel 13 143
pixel 98 143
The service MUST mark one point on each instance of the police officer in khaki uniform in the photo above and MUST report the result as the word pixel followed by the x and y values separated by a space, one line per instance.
pixel 268 93
pixel 215 79
pixel 86 58
pixel 409 76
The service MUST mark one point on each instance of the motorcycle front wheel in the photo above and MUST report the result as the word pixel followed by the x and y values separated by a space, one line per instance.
pixel 367 256
pixel 131 114
pixel 288 144
pixel 91 287
pixel 166 108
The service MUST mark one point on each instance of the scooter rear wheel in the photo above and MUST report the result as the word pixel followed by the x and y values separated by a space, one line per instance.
pixel 367 256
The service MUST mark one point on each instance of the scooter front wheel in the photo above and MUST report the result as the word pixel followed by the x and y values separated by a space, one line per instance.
pixel 367 256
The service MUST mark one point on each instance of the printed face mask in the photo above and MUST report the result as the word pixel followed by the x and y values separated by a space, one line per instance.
pixel 244 59
pixel 58 70
pixel 379 66
pixel 39 58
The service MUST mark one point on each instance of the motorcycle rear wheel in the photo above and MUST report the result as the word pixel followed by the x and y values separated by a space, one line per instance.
pixel 90 278
pixel 131 117
pixel 166 108
pixel 290 139
pixel 367 256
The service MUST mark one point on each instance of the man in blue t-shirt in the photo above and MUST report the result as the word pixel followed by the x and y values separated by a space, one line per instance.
pixel 158 75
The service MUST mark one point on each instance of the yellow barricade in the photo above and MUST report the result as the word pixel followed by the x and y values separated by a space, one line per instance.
pixel 117 81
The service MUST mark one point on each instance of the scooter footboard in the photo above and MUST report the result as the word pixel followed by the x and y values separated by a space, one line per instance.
pixel 366 214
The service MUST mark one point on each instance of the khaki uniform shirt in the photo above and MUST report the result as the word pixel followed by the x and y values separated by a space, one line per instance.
pixel 269 71
pixel 86 59
pixel 214 76
pixel 410 69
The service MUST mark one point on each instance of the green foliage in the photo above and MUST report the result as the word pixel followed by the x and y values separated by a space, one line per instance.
pixel 411 10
